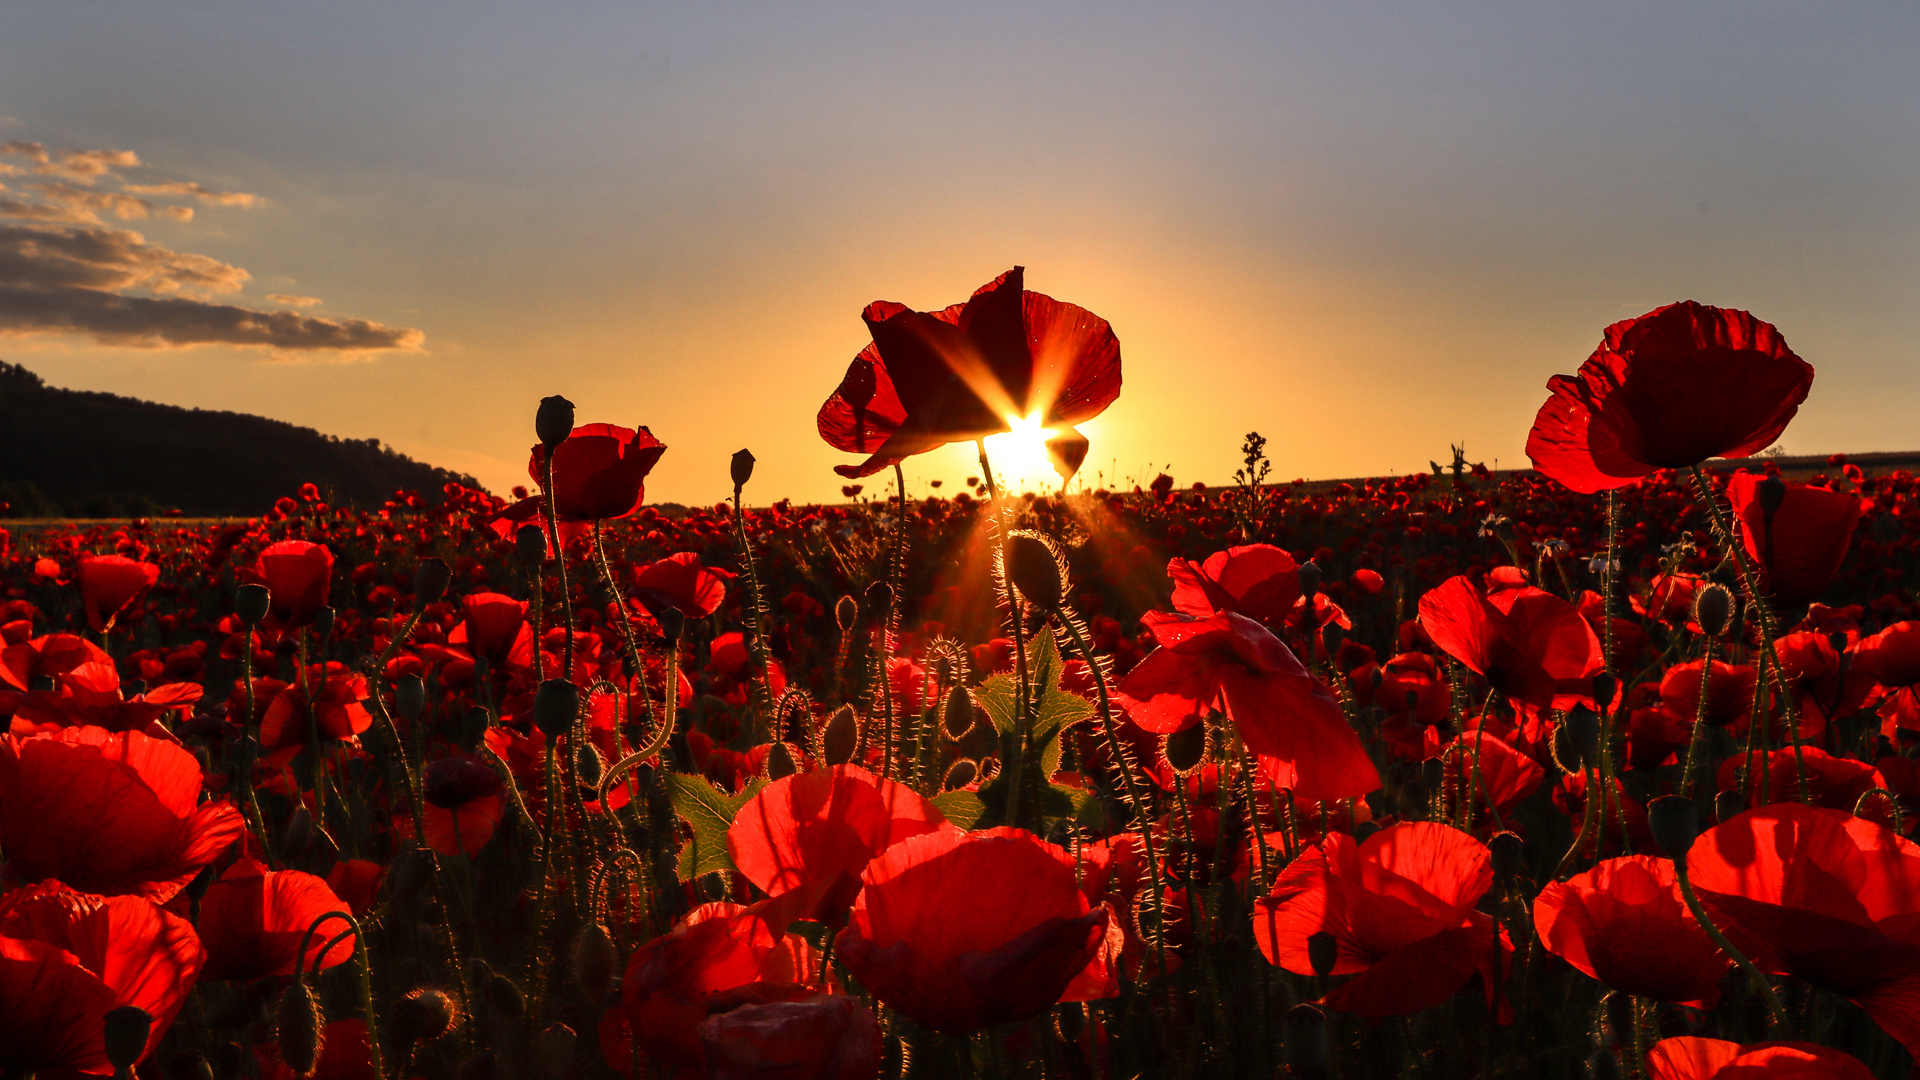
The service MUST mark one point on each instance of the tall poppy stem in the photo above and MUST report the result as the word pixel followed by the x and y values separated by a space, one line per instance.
pixel 1689 774
pixel 756 613
pixel 1759 981
pixel 559 559
pixel 986 470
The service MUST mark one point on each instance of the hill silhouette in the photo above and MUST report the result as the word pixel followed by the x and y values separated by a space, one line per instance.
pixel 72 453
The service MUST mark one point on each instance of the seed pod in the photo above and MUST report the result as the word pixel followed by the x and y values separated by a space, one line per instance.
pixel 1305 1031
pixel 251 603
pixel 1583 735
pixel 1309 582
pixel 555 705
pixel 554 420
pixel 1712 608
pixel 673 623
pixel 1605 686
pixel 959 717
pixel 846 611
pixel 742 468
pixel 1333 635
pixel 409 697
pixel 594 960
pixel 1508 851
pixel 411 872
pixel 1728 804
pixel 423 1015
pixel 842 736
pixel 879 600
pixel 1323 952
pixel 299 1026
pixel 780 761
pixel 1772 492
pixel 298 835
pixel 322 622
pixel 960 774
pixel 588 765
pixel 505 995
pixel 1674 824
pixel 430 580
pixel 557 1047
pixel 1067 451
pixel 126 1033
pixel 1186 749
pixel 1034 568
pixel 530 546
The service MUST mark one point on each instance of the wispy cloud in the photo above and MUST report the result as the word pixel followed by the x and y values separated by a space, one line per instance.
pixel 63 270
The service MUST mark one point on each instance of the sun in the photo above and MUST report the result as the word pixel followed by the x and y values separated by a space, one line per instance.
pixel 1019 456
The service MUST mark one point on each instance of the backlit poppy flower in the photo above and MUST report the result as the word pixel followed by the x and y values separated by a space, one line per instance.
pixel 961 930
pixel 110 584
pixel 108 813
pixel 1833 782
pixel 820 829
pixel 1803 546
pixel 1729 692
pixel 465 803
pixel 299 575
pixel 1286 717
pixel 495 627
pixel 1826 897
pixel 90 694
pixel 823 1037
pixel 252 921
pixel 357 881
pixel 1667 390
pixel 964 373
pixel 1623 922
pixel 1691 1058
pixel 1892 659
pixel 69 958
pixel 1400 906
pixel 1259 581
pixel 681 580
pixel 1823 688
pixel 1669 598
pixel 337 712
pixel 1527 643
pixel 49 656
pixel 1506 775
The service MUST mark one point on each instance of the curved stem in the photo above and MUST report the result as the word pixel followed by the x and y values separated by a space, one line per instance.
pixel 1760 982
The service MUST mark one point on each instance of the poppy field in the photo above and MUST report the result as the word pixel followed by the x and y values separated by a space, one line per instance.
pixel 1601 769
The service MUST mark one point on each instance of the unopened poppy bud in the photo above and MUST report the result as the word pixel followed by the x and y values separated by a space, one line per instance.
pixel 411 872
pixel 557 1047
pixel 484 1065
pixel 960 774
pixel 1067 451
pixel 1309 582
pixel 1334 636
pixel 879 599
pixel 588 765
pixel 251 603
pixel 505 996
pixel 1035 570
pixel 1583 735
pixel 423 1015
pixel 555 705
pixel 322 622
pixel 959 714
pixel 1305 1034
pixel 298 835
pixel 1728 804
pixel 430 580
pixel 1674 824
pixel 409 697
pixel 1606 686
pixel 742 468
pixel 1712 608
pixel 673 623
pixel 842 736
pixel 127 1028
pixel 1187 748
pixel 299 1028
pixel 1837 641
pixel 474 728
pixel 780 762
pixel 1773 493
pixel 1507 851
pixel 530 546
pixel 594 960
pixel 846 611
pixel 554 420
pixel 1323 952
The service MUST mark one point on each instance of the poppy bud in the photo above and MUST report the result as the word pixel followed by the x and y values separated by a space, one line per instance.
pixel 530 546
pixel 842 736
pixel 959 716
pixel 555 705
pixel 1674 825
pixel 298 835
pixel 742 468
pixel 411 872
pixel 554 421
pixel 1364 830
pixel 505 995
pixel 1034 570
pixel 594 960
pixel 557 1046
pixel 780 762
pixel 422 1016
pixel 858 386
pixel 126 1035
pixel 251 602
pixel 484 1065
pixel 1583 735
pixel 1067 451
pixel 323 622
pixel 1334 635
pixel 1712 608
pixel 474 728
pixel 1605 686
pixel 1309 582
pixel 960 774
pixel 1323 952
pixel 845 611
pixel 1186 749
pixel 673 623
pixel 409 697
pixel 1837 641
pixel 299 1027
pixel 1773 492
pixel 1305 1034
pixel 879 599
pixel 1728 804
pixel 430 580
pixel 1508 851
pixel 588 765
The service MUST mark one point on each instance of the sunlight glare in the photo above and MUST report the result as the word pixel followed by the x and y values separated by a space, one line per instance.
pixel 1019 456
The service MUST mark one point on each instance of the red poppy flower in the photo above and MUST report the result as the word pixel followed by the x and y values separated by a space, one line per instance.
pixel 337 712
pixel 108 813
pixel 1287 717
pixel 823 1037
pixel 49 656
pixel 1803 547
pixel 90 694
pixel 495 626
pixel 1891 658
pixel 961 930
pixel 820 829
pixel 960 374
pixel 253 919
pixel 357 881
pixel 1401 908
pixel 1825 896
pixel 1529 644
pixel 298 575
pixel 1672 388
pixel 1691 1058
pixel 1506 775
pixel 465 803
pixel 1729 692
pixel 68 958
pixel 1623 922
pixel 1832 782
pixel 681 580
pixel 1259 581
pixel 1669 598
pixel 110 584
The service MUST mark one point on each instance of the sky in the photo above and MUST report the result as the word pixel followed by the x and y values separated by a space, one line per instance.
pixel 1366 230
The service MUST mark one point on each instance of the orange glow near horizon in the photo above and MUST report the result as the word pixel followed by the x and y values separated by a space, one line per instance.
pixel 1019 457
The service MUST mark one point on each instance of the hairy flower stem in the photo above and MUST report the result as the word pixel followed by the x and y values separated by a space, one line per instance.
pixel 1759 981
pixel 1022 707
pixel 559 559
pixel 986 470
pixel 756 613
pixel 249 742
pixel 1690 773
pixel 896 582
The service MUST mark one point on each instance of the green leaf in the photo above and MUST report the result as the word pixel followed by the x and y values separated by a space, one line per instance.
pixel 963 808
pixel 1053 707
pixel 710 811
pixel 996 697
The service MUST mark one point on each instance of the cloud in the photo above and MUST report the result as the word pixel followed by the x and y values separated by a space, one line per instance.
pixel 63 270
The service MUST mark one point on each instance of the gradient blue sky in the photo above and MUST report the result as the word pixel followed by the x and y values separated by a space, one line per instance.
pixel 1365 229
